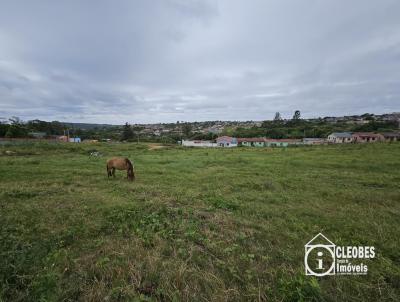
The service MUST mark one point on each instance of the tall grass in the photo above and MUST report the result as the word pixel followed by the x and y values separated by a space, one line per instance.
pixel 197 224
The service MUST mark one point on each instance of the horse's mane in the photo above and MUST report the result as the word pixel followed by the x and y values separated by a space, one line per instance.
pixel 128 162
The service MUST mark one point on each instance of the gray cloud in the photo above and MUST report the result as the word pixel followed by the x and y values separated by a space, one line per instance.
pixel 151 61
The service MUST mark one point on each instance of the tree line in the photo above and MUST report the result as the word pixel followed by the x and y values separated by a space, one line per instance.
pixel 300 128
pixel 278 128
pixel 15 128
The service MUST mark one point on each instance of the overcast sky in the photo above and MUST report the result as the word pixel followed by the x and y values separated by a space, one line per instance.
pixel 196 60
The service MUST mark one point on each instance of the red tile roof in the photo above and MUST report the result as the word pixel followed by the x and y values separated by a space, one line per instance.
pixel 251 139
pixel 225 137
pixel 367 134
pixel 263 139
pixel 283 140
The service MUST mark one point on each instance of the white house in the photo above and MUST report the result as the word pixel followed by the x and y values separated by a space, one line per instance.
pixel 340 138
pixel 198 143
pixel 74 139
pixel 313 141
pixel 227 141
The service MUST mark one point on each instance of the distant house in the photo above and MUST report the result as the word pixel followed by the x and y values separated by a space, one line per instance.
pixel 227 141
pixel 358 122
pixel 214 130
pixel 330 119
pixel 313 141
pixel 391 136
pixel 251 142
pixel 74 139
pixel 198 143
pixel 269 142
pixel 340 137
pixel 367 137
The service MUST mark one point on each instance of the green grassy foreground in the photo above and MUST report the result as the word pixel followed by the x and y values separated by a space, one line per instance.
pixel 196 225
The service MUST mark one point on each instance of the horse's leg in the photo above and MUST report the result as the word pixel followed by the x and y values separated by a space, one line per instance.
pixel 113 172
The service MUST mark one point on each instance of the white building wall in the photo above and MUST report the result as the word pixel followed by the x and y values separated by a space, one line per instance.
pixel 226 145
pixel 188 143
pixel 339 140
pixel 74 139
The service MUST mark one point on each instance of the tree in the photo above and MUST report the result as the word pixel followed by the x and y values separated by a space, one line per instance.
pixel 187 129
pixel 368 117
pixel 51 128
pixel 136 130
pixel 3 129
pixel 15 120
pixel 17 128
pixel 277 117
pixel 276 133
pixel 127 132
pixel 56 127
pixel 296 115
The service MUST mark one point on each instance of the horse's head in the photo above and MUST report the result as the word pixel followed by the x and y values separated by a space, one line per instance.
pixel 131 174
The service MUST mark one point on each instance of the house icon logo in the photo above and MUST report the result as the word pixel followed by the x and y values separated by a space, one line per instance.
pixel 319 259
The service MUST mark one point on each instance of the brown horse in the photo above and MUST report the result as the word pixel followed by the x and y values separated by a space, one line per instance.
pixel 120 163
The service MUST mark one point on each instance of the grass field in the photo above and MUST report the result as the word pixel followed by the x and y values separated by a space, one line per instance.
pixel 196 225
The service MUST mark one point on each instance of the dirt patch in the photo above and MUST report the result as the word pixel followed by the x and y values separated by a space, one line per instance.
pixel 155 146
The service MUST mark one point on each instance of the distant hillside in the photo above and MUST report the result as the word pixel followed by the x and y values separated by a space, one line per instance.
pixel 86 126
